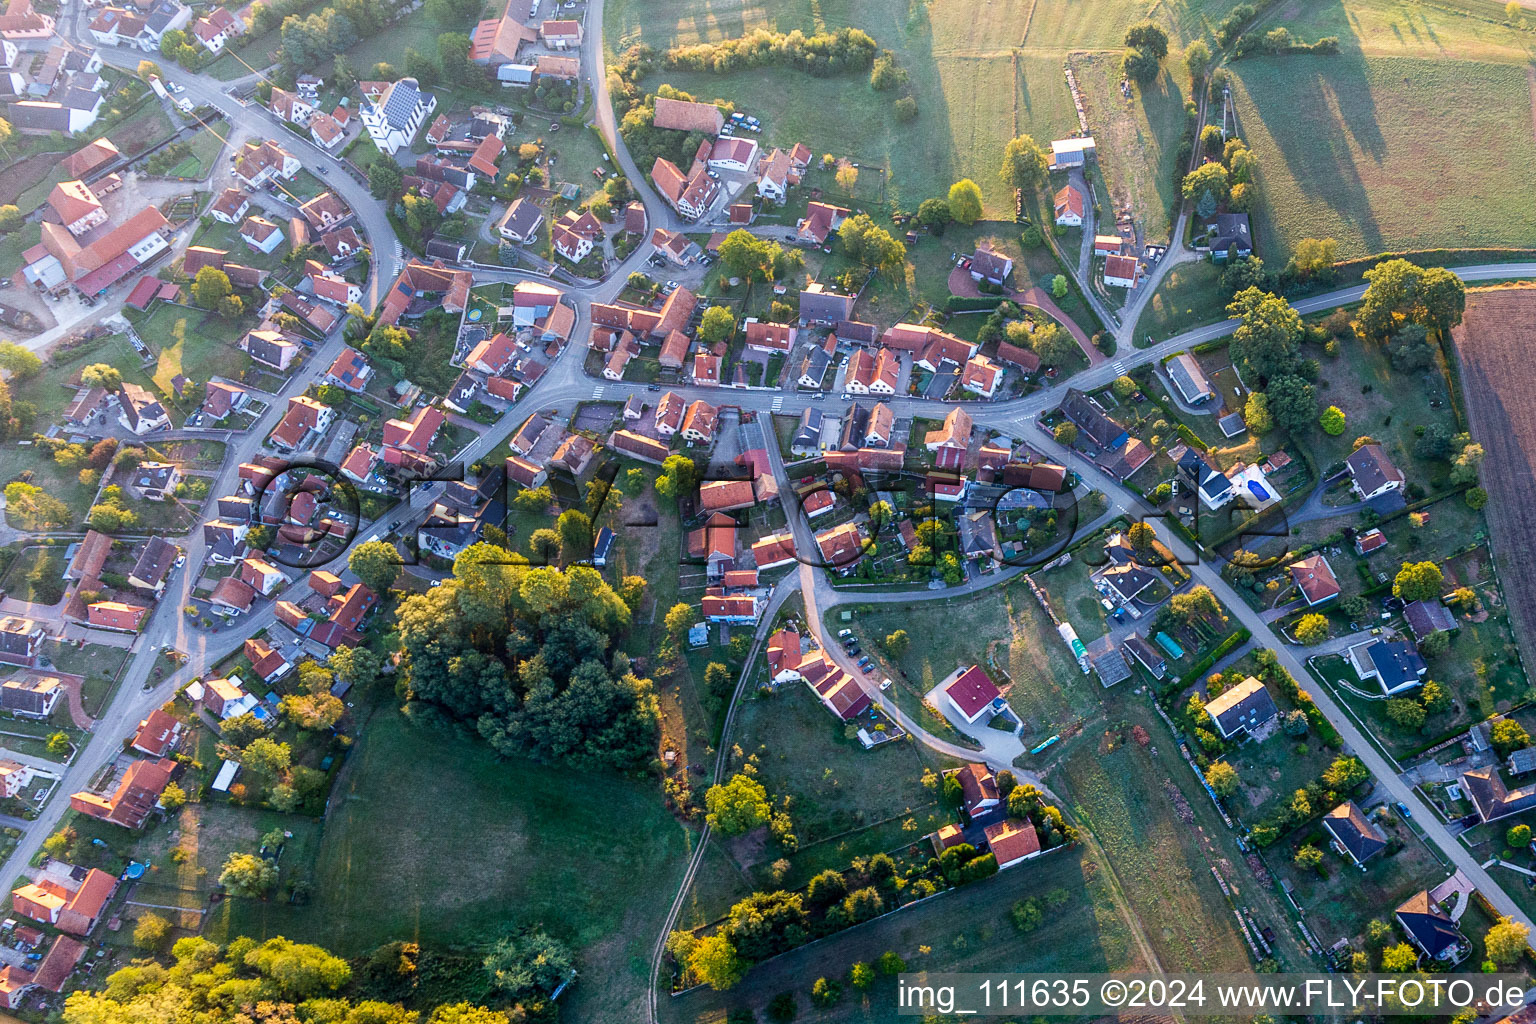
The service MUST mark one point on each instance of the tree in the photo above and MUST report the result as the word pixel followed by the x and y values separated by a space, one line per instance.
pixel 905 109
pixel 1312 629
pixel 10 214
pixel 1267 337
pixel 173 798
pixel 1295 723
pixel 1506 942
pixel 102 375
pixel 1406 714
pixel 718 680
pixel 1309 858
pixel 847 177
pixel 1053 344
pixel 1197 58
pixel 1315 257
pixel 1400 292
pixel 1399 958
pixel 861 976
pixel 1418 581
pixel 1065 433
pixel 1507 736
pixel 1291 403
pixel 890 963
pixel 575 529
pixel 1518 837
pixel 678 477
pixel 1060 286
pixel 717 325
pixel 965 201
pixel 715 963
pixel 737 806
pixel 58 743
pixel 896 643
pixel 209 286
pixel 679 619
pixel 1256 413
pixel 1024 164
pixel 385 180
pixel 1222 778
pixel 532 964
pixel 376 564
pixel 934 215
pixel 1332 421
pixel 825 992
pixel 1210 178
pixel 1139 65
pixel 1149 36
pixel 1512 10
pixel 248 875
pixel 1345 773
pixel 18 360
pixel 312 711
pixel 267 758
pixel 1464 466
pixel 151 932
pixel 147 68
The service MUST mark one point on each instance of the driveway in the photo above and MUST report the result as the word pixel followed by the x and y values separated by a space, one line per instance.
pixel 996 745
pixel 961 283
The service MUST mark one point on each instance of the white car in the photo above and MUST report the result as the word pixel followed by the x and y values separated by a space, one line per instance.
pixel 843 634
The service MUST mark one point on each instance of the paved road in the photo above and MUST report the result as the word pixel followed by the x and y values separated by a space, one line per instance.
pixel 1208 574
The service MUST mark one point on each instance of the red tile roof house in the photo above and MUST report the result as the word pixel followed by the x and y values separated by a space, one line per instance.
pixel 350 371
pixel 415 434
pixel 820 220
pixel 134 798
pixel 325 211
pixel 1314 577
pixel 1069 207
pixel 331 287
pixel 231 596
pixel 974 695
pixel 115 615
pixel 978 787
pixel 686 116
pixel 350 609
pixel 57 899
pixel 689 194
pixel 638 446
pixel 159 734
pixel 422 287
pixel 266 661
pixel 262 576
pixel 1012 842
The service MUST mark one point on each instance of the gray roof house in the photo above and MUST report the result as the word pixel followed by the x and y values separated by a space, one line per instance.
pixel 1395 665
pixel 1232 237
pixel 807 437
pixel 1242 708
pixel 1184 370
pixel 1356 836
pixel 1427 617
pixel 819 306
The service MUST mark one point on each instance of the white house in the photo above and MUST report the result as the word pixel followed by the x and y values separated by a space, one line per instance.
pixel 393 119
pixel 261 234
pixel 1069 207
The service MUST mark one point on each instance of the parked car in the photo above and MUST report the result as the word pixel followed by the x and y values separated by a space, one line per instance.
pixel 844 633
pixel 1403 809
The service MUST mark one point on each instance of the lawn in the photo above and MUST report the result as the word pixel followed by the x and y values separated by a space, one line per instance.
pixel 1272 771
pixel 433 838
pixel 1188 295
pixel 192 342
pixel 1357 147
pixel 964 929
pixel 1338 901
pixel 1004 630
pixel 36 575
pixel 51 391
pixel 1138 138
pixel 98 663
pixel 32 463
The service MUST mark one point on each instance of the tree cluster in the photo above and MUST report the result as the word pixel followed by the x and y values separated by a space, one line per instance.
pixel 822 54
pixel 529 655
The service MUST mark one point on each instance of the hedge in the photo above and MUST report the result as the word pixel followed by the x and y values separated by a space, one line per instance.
pixel 1221 650
pixel 967 304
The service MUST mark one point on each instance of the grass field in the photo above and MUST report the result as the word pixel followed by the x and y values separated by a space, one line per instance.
pixel 191 342
pixel 980 74
pixel 48 564
pixel 1372 151
pixel 1188 294
pixel 432 837
pixel 1124 796
pixel 1137 138
pixel 965 929
pixel 17 461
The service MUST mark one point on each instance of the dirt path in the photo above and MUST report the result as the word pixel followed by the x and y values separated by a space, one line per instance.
pixel 71 685
pixel 961 283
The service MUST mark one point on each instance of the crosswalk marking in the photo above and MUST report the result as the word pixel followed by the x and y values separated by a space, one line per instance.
pixel 597 392
pixel 1119 367
pixel 778 403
